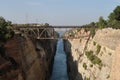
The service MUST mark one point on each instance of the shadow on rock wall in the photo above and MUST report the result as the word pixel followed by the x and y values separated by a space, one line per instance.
pixel 72 66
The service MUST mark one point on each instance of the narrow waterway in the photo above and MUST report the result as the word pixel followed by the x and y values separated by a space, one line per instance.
pixel 60 67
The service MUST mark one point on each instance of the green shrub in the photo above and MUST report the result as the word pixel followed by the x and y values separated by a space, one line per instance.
pixel 110 54
pixel 97 60
pixel 84 66
pixel 108 77
pixel 98 49
pixel 91 65
pixel 92 32
pixel 90 55
pixel 94 43
pixel 80 40
pixel 93 58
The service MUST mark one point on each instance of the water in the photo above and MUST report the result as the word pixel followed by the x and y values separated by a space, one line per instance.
pixel 60 67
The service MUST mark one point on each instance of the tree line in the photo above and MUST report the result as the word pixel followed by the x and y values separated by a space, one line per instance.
pixel 113 20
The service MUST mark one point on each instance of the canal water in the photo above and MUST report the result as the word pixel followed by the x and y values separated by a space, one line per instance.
pixel 60 67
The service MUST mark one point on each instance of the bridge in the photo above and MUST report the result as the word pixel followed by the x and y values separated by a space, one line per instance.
pixel 48 32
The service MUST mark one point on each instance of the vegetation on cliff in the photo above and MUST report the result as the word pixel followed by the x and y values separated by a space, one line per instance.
pixel 93 58
pixel 98 49
pixel 6 31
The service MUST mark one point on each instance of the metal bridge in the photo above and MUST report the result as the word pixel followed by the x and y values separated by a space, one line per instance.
pixel 48 32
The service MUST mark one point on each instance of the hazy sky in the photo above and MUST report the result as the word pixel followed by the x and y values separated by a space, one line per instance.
pixel 56 12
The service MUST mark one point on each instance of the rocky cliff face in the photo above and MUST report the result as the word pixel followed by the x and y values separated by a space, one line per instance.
pixel 34 59
pixel 115 71
pixel 94 58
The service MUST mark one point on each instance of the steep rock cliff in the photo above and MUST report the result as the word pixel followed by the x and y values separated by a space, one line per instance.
pixel 34 59
pixel 92 58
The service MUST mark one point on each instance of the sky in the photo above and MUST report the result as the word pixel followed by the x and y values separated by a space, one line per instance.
pixel 56 12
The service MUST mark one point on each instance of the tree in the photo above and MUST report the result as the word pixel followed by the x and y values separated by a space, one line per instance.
pixel 92 24
pixel 2 22
pixel 111 17
pixel 9 23
pixel 114 18
pixel 117 13
pixel 102 23
pixel 5 31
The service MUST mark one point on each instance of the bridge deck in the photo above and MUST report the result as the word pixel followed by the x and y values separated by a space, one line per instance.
pixel 65 37
pixel 35 30
pixel 42 27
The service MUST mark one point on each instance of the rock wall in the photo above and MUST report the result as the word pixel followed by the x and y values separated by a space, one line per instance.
pixel 34 59
pixel 93 58
pixel 115 71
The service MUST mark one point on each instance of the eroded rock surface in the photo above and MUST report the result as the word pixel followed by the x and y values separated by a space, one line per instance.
pixel 34 59
pixel 94 58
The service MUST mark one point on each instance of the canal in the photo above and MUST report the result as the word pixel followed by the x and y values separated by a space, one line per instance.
pixel 60 67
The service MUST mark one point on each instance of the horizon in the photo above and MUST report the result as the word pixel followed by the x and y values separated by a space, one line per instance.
pixel 56 12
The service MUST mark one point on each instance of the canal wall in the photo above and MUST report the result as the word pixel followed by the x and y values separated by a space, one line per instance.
pixel 34 58
pixel 94 58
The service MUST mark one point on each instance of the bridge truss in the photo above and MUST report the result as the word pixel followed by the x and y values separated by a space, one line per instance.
pixel 43 32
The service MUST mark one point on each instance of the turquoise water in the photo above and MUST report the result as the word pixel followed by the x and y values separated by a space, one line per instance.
pixel 60 67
